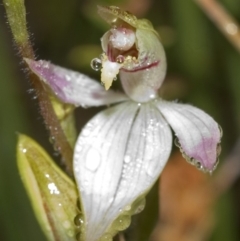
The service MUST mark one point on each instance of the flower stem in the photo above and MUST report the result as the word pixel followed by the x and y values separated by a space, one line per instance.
pixel 16 15
pixel 223 20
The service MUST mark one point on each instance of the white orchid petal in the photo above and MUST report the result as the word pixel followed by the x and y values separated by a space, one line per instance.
pixel 198 134
pixel 118 156
pixel 73 87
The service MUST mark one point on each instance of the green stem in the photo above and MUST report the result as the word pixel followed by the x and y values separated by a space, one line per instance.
pixel 16 15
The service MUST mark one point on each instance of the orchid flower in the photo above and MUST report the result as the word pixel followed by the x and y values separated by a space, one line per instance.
pixel 121 151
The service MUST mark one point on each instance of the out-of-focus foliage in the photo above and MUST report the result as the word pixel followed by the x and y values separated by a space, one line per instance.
pixel 203 69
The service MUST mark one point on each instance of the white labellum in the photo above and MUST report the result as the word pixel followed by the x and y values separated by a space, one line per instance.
pixel 109 72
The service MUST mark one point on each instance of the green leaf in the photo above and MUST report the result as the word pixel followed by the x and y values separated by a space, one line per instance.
pixel 53 195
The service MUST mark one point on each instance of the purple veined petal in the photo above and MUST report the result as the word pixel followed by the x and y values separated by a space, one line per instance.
pixel 198 134
pixel 118 157
pixel 73 87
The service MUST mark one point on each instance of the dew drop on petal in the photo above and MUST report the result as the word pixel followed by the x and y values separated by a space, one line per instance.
pixel 106 237
pixel 151 171
pixel 127 159
pixel 78 220
pixel 176 142
pixel 122 222
pixel 219 149
pixel 127 208
pixel 93 159
pixel 96 64
pixel 111 200
pixel 78 204
pixel 78 236
pixel 53 188
pixel 198 165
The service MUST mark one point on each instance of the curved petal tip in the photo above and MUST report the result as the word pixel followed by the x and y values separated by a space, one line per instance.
pixel 198 135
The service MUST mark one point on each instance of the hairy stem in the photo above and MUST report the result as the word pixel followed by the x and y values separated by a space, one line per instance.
pixel 16 15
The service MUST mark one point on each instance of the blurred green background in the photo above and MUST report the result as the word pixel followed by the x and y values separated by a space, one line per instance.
pixel 203 69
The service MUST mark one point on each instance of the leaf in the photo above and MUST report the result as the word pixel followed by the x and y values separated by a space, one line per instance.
pixel 53 195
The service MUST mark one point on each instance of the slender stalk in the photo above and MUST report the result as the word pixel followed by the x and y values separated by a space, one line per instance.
pixel 16 16
pixel 223 20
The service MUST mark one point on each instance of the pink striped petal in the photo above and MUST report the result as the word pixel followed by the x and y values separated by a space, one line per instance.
pixel 198 134
pixel 73 87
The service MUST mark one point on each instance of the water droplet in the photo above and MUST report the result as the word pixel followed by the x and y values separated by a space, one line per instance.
pixel 152 96
pixel 51 139
pixel 86 132
pixel 78 204
pixel 215 165
pixel 78 236
pixel 96 64
pixel 127 159
pixel 106 237
pixel 198 165
pixel 139 208
pixel 122 222
pixel 68 78
pixel 127 208
pixel 24 150
pixel 93 159
pixel 191 160
pixel 53 188
pixel 151 170
pixel 84 106
pixel 177 143
pixel 111 200
pixel 139 205
pixel 220 130
pixel 143 133
pixel 78 220
pixel 31 91
pixel 219 149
